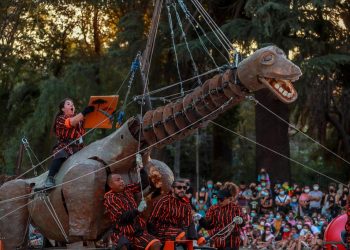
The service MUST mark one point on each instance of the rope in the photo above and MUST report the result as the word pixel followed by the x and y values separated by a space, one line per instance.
pixel 125 158
pixel 177 83
pixel 214 27
pixel 286 157
pixel 46 159
pixel 29 151
pixel 156 143
pixel 134 66
pixel 174 48
pixel 91 130
pixel 294 127
pixel 11 199
pixel 227 230
pixel 55 217
pixel 183 34
pixel 191 19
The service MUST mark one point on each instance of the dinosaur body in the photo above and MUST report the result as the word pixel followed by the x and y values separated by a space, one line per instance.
pixel 78 202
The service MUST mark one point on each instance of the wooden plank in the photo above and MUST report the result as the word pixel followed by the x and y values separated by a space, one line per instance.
pixel 104 107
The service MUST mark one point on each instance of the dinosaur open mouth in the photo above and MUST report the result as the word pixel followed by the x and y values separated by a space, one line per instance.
pixel 283 89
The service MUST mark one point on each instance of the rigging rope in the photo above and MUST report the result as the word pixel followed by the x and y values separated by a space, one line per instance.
pixel 160 141
pixel 29 152
pixel 177 83
pixel 191 19
pixel 294 127
pixel 286 157
pixel 134 66
pixel 16 208
pixel 90 131
pixel 55 217
pixel 183 34
pixel 50 156
pixel 214 27
pixel 126 157
pixel 170 20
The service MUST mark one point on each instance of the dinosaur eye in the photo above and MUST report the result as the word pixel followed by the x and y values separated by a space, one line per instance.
pixel 267 59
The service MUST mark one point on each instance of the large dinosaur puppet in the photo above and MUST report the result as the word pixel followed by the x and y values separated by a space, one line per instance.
pixel 74 212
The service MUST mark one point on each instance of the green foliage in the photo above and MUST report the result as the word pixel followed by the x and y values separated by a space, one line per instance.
pixel 50 51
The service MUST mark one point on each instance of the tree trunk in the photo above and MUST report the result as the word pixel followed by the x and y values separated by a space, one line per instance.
pixel 272 133
pixel 177 159
pixel 222 155
pixel 97 41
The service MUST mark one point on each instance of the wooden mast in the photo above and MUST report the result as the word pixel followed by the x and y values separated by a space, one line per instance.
pixel 147 54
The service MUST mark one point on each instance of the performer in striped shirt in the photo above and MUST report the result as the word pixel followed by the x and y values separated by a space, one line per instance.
pixel 219 216
pixel 171 216
pixel 129 226
pixel 68 128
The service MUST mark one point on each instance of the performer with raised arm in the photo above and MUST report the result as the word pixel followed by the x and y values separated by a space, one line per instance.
pixel 224 220
pixel 129 227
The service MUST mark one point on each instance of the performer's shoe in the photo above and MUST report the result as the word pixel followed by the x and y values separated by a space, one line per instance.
pixel 50 182
pixel 180 236
pixel 201 241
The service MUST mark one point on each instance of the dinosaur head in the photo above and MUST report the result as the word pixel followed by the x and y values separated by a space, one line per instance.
pixel 269 68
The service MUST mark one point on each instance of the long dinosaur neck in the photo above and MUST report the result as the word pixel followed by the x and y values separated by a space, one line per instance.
pixel 179 119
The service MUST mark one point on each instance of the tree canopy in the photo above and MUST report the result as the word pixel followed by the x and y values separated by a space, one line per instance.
pixel 53 49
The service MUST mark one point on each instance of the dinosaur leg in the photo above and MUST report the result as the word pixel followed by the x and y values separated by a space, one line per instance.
pixel 160 175
pixel 84 198
pixel 14 215
pixel 161 178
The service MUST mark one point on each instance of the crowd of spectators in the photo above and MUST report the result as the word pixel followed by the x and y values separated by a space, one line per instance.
pixel 279 215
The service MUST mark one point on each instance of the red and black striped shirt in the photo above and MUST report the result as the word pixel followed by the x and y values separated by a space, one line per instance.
pixel 170 216
pixel 65 134
pixel 122 209
pixel 218 217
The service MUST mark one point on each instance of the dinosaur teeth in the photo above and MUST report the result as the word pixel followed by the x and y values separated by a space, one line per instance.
pixel 277 86
pixel 285 93
pixel 281 89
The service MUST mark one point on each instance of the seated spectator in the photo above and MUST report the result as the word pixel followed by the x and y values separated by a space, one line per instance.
pixel 210 189
pixel 267 240
pixel 244 195
pixel 330 208
pixel 202 196
pixel 271 217
pixel 253 214
pixel 264 185
pixel 246 235
pixel 297 192
pixel 266 202
pixel 254 200
pixel 286 236
pixel 290 218
pixel 294 205
pixel 286 231
pixel 294 237
pixel 263 177
pixel 277 223
pixel 304 202
pixel 261 225
pixel 276 189
pixel 308 221
pixel 343 197
pixel 282 201
pixel 315 197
